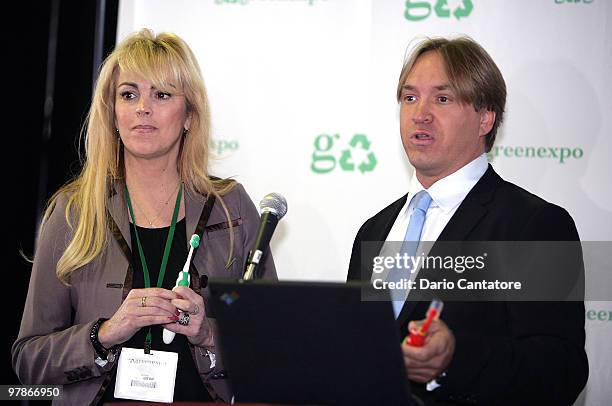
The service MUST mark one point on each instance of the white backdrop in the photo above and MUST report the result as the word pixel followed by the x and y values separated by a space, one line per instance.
pixel 303 104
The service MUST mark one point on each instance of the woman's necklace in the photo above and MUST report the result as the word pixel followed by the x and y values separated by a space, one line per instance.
pixel 159 212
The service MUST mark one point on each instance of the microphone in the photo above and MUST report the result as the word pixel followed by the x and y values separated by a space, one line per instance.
pixel 273 207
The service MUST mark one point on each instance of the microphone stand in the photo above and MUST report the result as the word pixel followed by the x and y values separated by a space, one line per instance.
pixel 249 274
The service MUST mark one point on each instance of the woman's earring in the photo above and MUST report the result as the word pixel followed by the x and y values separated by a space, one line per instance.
pixel 185 132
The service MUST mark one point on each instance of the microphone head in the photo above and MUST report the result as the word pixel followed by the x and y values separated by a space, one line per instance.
pixel 274 203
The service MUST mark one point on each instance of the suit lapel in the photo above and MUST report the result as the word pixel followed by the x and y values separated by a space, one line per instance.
pixel 472 209
pixel 377 234
pixel 117 208
pixel 380 230
pixel 467 217
pixel 194 203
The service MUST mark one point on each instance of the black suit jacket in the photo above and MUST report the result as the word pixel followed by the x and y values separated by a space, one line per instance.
pixel 506 352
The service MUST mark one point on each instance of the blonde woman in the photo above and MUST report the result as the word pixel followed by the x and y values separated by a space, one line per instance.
pixel 113 240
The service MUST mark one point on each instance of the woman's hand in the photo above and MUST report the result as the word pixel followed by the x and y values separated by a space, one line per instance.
pixel 141 308
pixel 199 330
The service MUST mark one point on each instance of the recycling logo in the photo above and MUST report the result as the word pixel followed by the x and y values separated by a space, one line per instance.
pixel 420 10
pixel 356 157
pixel 346 161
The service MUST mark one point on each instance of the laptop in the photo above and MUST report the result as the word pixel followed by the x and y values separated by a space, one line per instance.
pixel 308 343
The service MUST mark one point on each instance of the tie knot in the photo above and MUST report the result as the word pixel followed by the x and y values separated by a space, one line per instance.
pixel 422 200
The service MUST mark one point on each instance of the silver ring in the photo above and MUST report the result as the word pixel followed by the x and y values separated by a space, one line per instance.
pixel 143 301
pixel 183 319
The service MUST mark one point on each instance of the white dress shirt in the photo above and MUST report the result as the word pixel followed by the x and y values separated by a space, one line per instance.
pixel 446 196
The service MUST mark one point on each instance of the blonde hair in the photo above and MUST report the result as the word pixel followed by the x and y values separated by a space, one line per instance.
pixel 163 59
pixel 472 73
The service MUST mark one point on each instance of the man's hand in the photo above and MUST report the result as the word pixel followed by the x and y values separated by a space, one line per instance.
pixel 427 362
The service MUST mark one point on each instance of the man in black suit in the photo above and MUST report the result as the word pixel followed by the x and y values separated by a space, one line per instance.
pixel 452 98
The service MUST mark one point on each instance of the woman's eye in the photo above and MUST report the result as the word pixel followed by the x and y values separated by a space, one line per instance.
pixel 409 98
pixel 127 95
pixel 163 95
pixel 443 99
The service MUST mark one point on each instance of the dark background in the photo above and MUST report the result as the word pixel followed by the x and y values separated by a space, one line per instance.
pixel 62 45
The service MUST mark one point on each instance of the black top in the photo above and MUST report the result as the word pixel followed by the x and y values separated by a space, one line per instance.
pixel 188 385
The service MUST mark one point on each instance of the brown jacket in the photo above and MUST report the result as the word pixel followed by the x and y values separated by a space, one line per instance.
pixel 53 345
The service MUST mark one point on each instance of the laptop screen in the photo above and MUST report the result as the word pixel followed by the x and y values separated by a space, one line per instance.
pixel 307 343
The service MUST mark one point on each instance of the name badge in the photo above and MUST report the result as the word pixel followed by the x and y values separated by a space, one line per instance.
pixel 149 377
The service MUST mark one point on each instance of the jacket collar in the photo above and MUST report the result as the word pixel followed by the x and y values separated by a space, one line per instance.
pixel 472 209
pixel 118 210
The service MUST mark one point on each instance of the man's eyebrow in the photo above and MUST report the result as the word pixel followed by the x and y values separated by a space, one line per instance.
pixel 443 87
pixel 439 87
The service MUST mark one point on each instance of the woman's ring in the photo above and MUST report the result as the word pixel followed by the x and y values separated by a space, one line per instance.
pixel 143 301
pixel 183 319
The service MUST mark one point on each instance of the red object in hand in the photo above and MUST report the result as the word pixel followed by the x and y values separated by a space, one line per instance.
pixel 418 339
pixel 415 340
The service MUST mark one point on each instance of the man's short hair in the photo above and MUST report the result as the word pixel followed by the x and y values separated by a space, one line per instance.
pixel 473 75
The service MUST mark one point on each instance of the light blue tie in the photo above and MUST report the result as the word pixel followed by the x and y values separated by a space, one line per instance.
pixel 420 202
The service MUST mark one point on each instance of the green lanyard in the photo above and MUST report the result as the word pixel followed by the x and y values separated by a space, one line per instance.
pixel 143 261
